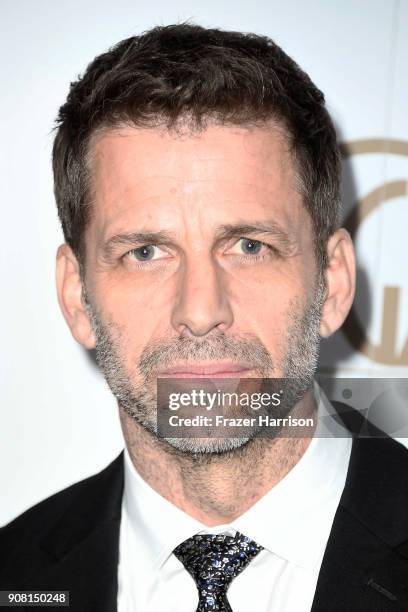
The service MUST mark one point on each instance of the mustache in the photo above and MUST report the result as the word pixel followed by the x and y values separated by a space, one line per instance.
pixel 163 354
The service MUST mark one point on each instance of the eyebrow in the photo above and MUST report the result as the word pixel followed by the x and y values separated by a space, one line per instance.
pixel 223 232
pixel 148 237
pixel 266 228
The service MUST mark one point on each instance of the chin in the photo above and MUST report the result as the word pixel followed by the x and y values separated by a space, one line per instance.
pixel 206 446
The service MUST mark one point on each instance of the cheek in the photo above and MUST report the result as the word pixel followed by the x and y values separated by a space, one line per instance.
pixel 262 308
pixel 266 307
pixel 138 307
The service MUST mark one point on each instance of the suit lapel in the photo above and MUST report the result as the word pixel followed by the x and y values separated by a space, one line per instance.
pixel 88 571
pixel 365 566
pixel 81 550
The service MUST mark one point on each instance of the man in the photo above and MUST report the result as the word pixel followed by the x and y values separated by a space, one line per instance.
pixel 197 182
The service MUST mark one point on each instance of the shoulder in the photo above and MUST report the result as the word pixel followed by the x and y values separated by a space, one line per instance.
pixel 29 528
pixel 376 489
pixel 382 458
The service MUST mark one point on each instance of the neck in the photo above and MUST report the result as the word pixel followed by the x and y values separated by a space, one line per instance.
pixel 215 488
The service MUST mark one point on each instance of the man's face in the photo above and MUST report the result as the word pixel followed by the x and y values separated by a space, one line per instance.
pixel 199 261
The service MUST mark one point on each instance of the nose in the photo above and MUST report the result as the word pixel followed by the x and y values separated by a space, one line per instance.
pixel 202 304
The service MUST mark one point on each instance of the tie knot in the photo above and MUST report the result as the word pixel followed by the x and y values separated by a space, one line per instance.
pixel 213 561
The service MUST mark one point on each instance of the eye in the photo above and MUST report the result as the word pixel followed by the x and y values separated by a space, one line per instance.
pixel 147 252
pixel 248 246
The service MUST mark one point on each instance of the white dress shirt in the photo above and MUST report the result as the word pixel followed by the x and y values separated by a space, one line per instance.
pixel 292 522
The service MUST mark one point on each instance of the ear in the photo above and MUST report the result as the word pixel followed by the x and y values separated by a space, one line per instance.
pixel 340 282
pixel 69 290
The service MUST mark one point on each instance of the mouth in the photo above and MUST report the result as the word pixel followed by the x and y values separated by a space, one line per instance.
pixel 209 370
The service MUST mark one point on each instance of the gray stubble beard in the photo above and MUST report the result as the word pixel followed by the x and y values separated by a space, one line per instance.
pixel 139 400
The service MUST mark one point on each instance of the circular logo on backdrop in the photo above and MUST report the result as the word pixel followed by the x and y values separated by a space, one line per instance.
pixel 386 351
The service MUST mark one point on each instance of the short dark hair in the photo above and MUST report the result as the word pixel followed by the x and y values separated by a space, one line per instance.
pixel 170 74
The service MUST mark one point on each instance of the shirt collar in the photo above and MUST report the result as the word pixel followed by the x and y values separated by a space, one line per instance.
pixel 158 525
pixel 293 520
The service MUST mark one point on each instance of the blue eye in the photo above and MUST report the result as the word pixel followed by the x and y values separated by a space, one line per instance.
pixel 143 253
pixel 250 247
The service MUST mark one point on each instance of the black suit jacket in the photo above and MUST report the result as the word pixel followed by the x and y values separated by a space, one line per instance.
pixel 70 540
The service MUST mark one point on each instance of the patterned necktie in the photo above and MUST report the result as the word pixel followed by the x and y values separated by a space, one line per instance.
pixel 213 561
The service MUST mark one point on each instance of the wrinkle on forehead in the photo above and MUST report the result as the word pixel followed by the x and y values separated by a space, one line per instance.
pixel 267 132
pixel 223 167
pixel 214 147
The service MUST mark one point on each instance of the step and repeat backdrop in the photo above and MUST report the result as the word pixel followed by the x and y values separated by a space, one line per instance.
pixel 58 420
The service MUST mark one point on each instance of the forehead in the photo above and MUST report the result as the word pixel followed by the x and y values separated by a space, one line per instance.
pixel 217 174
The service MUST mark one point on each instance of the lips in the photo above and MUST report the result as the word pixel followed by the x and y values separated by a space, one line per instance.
pixel 209 370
